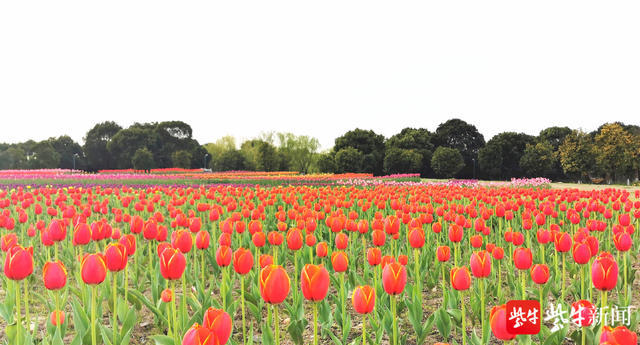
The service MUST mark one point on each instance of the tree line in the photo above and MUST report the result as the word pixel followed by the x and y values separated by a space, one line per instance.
pixel 455 149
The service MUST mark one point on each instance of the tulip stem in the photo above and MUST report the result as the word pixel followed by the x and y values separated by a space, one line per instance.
pixel 315 323
pixel 444 291
pixel 416 263
pixel 244 325
pixel 523 281
pixel 94 289
pixel 540 293
pixel 115 309
pixel 582 281
pixel 276 324
pixel 364 327
pixel 395 319
pixel 342 298
pixel 603 295
pixel 624 258
pixel 18 316
pixel 151 273
pixel 562 278
pixel 183 308
pixel 126 283
pixel 499 283
pixel 26 304
pixel 202 268
pixel 464 329
pixel 56 296
pixel 223 288
pixel 482 305
pixel 173 309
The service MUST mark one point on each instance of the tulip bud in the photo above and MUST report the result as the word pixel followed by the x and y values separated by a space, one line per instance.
pixel 314 282
pixel 394 278
pixel 363 299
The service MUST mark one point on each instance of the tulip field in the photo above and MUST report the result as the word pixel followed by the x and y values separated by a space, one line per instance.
pixel 344 260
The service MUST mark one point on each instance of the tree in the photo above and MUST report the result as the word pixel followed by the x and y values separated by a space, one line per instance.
pixel 326 163
pixel 509 146
pixel 490 160
pixel 446 161
pixel 370 145
pixel 95 145
pixel 219 147
pixel 43 156
pixel 126 142
pixel 268 158
pixel 464 137
pixel 232 160
pixel 615 151
pixel 417 140
pixel 554 136
pixel 142 159
pixel 13 157
pixel 402 161
pixel 181 159
pixel 348 160
pixel 67 149
pixel 576 155
pixel 300 150
pixel 538 159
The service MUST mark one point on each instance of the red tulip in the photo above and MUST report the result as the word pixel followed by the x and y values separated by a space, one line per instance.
pixel 480 263
pixel 342 241
pixel 57 317
pixel 265 260
pixel 223 256
pixel 18 263
pixel 583 313
pixel 604 272
pixel 242 261
pixel 339 261
pixel 198 335
pixel 94 269
pixel 322 249
pixel 129 242
pixel 116 257
pixel 416 238
pixel 460 278
pixel 294 239
pixel 54 275
pixel 172 263
pixel 314 282
pixel 622 241
pixel 181 239
pixel 203 239
pixel 8 241
pixel 374 256
pixel 563 242
pixel 218 322
pixel 620 335
pixel 498 321
pixel 274 284
pixel 363 299
pixel 522 258
pixel 455 233
pixel 378 237
pixel 166 295
pixel 150 230
pixel 394 278
pixel 581 253
pixel 476 241
pixel 540 274
pixel 497 253
pixel 403 259
pixel 259 239
pixel 443 253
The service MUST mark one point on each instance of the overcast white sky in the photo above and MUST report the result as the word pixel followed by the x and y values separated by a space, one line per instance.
pixel 316 68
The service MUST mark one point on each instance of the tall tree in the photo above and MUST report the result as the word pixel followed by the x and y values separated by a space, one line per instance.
pixel 615 151
pixel 369 144
pixel 509 146
pixel 95 145
pixel 349 160
pixel 126 142
pixel 538 159
pixel 416 140
pixel 446 161
pixel 67 149
pixel 299 150
pixel 576 155
pixel 43 156
pixel 464 137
